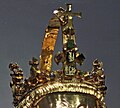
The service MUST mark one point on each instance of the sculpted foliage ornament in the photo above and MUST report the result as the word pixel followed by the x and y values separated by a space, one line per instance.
pixel 87 88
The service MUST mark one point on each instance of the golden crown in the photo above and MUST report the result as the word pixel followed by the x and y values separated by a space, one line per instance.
pixel 43 81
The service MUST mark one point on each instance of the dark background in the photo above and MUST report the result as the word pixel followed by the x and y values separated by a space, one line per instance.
pixel 22 26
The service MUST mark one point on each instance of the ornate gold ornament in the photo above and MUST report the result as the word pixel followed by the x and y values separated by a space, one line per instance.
pixel 43 81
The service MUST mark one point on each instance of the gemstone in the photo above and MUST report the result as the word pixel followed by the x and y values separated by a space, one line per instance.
pixel 70 44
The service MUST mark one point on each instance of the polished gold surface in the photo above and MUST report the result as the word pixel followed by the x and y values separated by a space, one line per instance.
pixel 49 44
pixel 65 88
pixel 35 96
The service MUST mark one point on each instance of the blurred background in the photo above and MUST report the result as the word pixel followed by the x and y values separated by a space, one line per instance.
pixel 22 26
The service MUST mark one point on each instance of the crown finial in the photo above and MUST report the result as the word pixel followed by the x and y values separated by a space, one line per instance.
pixel 28 92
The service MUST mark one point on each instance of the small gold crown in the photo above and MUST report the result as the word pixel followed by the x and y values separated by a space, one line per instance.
pixel 43 81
